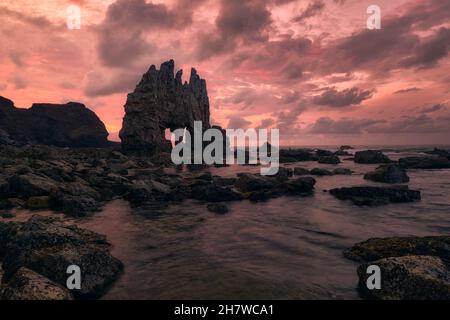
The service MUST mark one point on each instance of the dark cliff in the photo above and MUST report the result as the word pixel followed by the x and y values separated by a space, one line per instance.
pixel 61 125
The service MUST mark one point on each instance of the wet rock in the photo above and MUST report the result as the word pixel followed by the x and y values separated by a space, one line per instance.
pixel 440 153
pixel 342 153
pixel 371 157
pixel 38 203
pixel 379 248
pixel 342 171
pixel 260 196
pixel 161 101
pixel 346 147
pixel 424 163
pixel 300 171
pixel 408 278
pixel 214 193
pixel 390 173
pixel 372 196
pixel 139 193
pixel 221 181
pixel 320 172
pixel 412 268
pixel 26 284
pixel 284 173
pixel 218 208
pixel 30 185
pixel 294 155
pixel 48 246
pixel 333 159
pixel 299 186
pixel 253 182
pixel 324 153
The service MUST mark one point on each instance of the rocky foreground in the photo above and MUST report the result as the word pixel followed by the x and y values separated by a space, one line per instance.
pixel 37 253
pixel 412 268
pixel 78 182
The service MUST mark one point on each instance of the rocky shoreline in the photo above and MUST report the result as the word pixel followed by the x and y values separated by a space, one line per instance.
pixel 78 182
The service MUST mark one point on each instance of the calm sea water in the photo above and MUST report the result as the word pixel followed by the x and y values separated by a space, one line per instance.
pixel 287 248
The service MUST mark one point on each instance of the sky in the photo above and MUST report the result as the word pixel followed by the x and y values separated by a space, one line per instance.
pixel 310 68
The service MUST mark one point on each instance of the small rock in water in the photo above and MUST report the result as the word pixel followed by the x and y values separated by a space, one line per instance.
pixel 342 171
pixel 300 171
pixel 320 172
pixel 390 173
pixel 372 196
pixel 218 208
pixel 371 157
pixel 333 159
pixel 424 163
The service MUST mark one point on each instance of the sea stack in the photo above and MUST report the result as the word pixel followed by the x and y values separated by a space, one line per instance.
pixel 161 101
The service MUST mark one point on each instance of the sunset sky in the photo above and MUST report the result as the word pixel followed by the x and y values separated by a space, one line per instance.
pixel 308 67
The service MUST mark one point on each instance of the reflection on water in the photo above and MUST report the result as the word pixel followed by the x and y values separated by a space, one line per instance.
pixel 287 248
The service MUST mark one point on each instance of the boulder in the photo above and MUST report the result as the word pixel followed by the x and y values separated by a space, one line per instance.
pixel 26 284
pixel 408 278
pixel 333 159
pixel 30 185
pixel 320 172
pixel 412 268
pixel 379 248
pixel 294 155
pixel 372 196
pixel 324 153
pixel 214 193
pixel 63 125
pixel 390 173
pixel 440 153
pixel 342 171
pixel 371 157
pixel 48 246
pixel 299 186
pixel 254 182
pixel 38 203
pixel 161 101
pixel 300 171
pixel 424 163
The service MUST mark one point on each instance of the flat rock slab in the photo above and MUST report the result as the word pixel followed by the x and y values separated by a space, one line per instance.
pixel 26 284
pixel 379 248
pixel 408 278
pixel 373 196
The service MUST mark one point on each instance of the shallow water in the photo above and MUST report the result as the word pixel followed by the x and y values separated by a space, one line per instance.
pixel 287 248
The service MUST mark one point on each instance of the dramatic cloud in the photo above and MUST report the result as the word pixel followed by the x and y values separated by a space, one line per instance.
pixel 326 125
pixel 238 123
pixel 313 9
pixel 298 66
pixel 408 90
pixel 123 32
pixel 238 22
pixel 436 107
pixel 348 97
